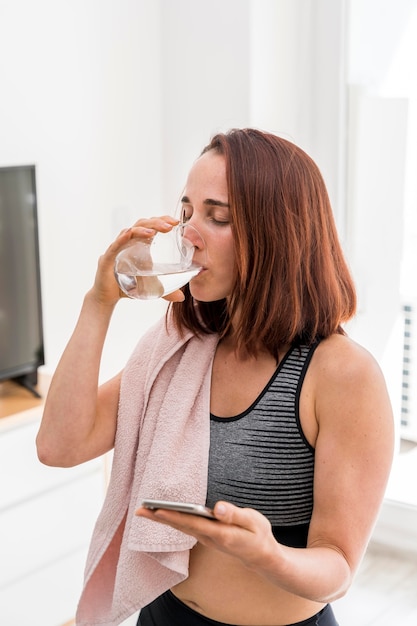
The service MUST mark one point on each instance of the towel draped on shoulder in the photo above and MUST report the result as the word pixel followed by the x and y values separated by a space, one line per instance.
pixel 161 451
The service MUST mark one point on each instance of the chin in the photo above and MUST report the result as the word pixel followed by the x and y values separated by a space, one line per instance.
pixel 204 295
pixel 205 290
pixel 199 293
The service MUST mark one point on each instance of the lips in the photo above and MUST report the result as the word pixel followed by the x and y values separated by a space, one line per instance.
pixel 196 263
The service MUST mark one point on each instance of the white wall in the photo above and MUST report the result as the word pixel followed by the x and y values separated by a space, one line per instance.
pixel 298 60
pixel 114 99
pixel 80 99
pixel 205 80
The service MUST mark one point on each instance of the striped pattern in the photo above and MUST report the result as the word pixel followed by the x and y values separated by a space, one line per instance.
pixel 260 458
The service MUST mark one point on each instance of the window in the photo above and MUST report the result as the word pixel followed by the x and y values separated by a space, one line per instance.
pixel 382 208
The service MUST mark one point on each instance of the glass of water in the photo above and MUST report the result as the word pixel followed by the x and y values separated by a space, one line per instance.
pixel 154 268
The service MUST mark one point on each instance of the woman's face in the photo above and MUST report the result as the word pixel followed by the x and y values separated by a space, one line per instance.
pixel 205 205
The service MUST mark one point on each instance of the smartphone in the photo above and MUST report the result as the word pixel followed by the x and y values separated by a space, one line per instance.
pixel 182 507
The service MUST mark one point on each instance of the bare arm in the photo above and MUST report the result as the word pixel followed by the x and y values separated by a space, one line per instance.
pixel 354 448
pixel 79 419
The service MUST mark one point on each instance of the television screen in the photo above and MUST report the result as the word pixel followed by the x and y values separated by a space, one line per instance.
pixel 21 336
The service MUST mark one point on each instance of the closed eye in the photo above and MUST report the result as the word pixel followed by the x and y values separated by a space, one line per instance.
pixel 216 211
pixel 219 222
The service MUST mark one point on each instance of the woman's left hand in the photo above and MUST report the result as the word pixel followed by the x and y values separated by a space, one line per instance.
pixel 241 532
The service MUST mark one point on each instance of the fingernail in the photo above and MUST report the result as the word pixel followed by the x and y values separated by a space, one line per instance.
pixel 220 509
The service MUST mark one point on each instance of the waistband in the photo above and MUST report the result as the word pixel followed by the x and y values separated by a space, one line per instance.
pixel 168 610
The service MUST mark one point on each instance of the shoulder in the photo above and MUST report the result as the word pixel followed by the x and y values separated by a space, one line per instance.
pixel 348 382
pixel 339 359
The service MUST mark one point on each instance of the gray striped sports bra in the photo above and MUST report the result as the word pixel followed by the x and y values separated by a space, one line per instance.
pixel 261 459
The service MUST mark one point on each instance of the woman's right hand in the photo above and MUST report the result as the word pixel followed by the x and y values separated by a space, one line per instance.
pixel 106 290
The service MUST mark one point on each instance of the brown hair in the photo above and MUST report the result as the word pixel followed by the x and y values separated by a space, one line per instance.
pixel 292 282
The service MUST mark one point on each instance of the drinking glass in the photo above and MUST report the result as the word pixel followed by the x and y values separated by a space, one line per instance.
pixel 154 268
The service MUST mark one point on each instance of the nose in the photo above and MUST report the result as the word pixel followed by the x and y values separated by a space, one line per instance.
pixel 191 233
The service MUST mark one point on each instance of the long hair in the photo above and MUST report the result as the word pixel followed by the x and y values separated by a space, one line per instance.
pixel 292 283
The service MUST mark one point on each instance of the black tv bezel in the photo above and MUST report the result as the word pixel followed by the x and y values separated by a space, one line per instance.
pixel 26 374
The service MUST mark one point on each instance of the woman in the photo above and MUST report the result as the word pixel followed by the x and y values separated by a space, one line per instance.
pixel 301 431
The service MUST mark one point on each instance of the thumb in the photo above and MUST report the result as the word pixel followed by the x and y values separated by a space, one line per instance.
pixel 244 517
pixel 225 512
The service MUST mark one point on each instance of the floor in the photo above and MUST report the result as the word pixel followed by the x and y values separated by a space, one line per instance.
pixel 384 592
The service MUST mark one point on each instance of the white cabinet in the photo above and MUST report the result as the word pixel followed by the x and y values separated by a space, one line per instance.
pixel 46 520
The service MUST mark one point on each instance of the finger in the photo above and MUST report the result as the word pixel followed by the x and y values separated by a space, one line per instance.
pixel 245 518
pixel 175 296
pixel 227 512
pixel 163 223
pixel 123 238
pixel 135 231
pixel 226 537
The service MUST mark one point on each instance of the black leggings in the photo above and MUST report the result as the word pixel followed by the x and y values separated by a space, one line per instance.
pixel 167 610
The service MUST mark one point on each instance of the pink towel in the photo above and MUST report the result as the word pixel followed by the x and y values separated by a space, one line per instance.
pixel 161 451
